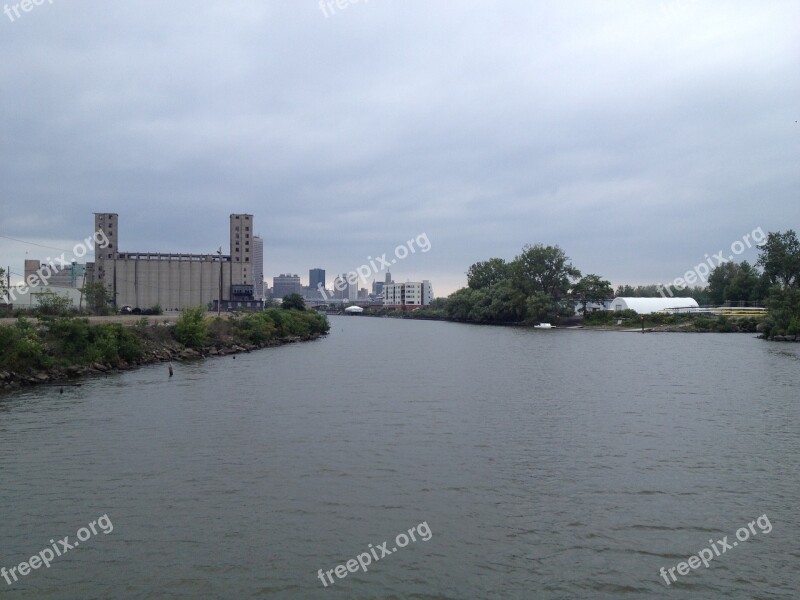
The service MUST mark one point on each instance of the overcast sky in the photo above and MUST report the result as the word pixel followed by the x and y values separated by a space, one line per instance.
pixel 638 135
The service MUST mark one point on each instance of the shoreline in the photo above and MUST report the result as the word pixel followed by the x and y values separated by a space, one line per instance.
pixel 164 353
pixel 688 327
pixel 157 350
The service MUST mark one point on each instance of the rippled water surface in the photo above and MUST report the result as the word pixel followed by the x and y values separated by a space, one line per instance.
pixel 547 464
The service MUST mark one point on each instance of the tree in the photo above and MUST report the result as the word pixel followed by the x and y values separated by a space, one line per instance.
pixel 718 281
pixel 438 304
pixel 97 297
pixel 460 302
pixel 745 285
pixel 543 270
pixel 293 301
pixel 539 307
pixel 780 257
pixel 191 329
pixel 500 303
pixel 487 273
pixel 52 304
pixel 3 287
pixel 592 288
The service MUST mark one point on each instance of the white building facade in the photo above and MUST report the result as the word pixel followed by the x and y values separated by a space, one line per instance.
pixel 645 306
pixel 409 295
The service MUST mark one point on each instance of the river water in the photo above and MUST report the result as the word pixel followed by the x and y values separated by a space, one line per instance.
pixel 539 464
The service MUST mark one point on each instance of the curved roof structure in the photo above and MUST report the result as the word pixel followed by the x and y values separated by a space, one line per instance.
pixel 353 309
pixel 645 306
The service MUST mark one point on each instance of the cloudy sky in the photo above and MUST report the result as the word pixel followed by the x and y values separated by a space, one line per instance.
pixel 638 135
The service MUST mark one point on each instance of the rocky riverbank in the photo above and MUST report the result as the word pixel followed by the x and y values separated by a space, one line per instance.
pixel 167 351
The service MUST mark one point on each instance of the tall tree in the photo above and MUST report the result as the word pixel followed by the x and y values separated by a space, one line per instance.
pixel 780 257
pixel 97 297
pixel 487 273
pixel 592 288
pixel 719 280
pixel 745 285
pixel 543 270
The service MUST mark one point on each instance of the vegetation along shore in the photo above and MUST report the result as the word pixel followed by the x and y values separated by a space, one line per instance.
pixel 61 347
pixel 542 285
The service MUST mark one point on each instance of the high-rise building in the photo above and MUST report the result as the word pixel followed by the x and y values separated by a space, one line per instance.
pixel 352 289
pixel 340 287
pixel 388 278
pixel 258 267
pixel 286 284
pixel 315 278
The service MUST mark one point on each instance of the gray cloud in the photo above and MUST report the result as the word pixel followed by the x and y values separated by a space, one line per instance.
pixel 639 136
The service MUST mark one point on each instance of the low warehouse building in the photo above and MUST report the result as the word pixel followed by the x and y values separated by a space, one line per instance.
pixel 645 306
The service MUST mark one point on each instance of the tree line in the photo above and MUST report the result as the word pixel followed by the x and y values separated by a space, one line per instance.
pixel 539 284
pixel 542 284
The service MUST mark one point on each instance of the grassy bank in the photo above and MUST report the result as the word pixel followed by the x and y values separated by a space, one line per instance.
pixel 695 323
pixel 690 323
pixel 55 348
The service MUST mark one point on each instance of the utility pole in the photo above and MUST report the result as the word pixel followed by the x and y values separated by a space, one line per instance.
pixel 219 301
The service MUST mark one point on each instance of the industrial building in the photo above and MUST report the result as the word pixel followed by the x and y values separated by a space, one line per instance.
pixel 645 306
pixel 66 276
pixel 176 281
pixel 258 267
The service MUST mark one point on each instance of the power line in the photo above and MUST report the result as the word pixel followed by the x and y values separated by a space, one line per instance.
pixel 33 243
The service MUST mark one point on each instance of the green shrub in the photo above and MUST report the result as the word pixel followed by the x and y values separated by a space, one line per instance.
pixel 257 328
pixel 21 347
pixel 104 347
pixel 192 329
pixel 70 337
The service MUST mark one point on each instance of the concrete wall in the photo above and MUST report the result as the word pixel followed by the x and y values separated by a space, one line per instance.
pixel 173 284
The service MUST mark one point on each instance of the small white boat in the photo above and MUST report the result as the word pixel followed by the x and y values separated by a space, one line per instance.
pixel 544 326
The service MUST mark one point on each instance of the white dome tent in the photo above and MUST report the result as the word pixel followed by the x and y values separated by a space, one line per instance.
pixel 646 306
